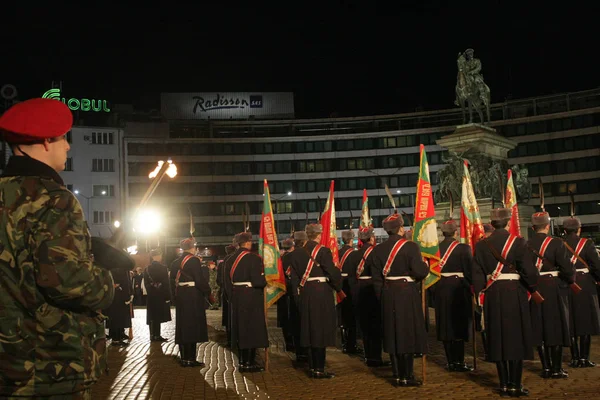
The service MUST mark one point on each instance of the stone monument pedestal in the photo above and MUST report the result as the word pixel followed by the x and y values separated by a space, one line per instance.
pixel 479 139
pixel 442 213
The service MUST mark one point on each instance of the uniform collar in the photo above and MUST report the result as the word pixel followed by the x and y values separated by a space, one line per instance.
pixel 27 166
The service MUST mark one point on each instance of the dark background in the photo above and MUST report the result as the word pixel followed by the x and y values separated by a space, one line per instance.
pixel 339 58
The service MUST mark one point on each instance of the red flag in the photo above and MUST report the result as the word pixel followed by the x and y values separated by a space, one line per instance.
pixel 471 228
pixel 329 235
pixel 514 226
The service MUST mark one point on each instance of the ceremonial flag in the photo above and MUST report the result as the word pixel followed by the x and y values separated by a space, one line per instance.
pixel 268 248
pixel 365 218
pixel 329 236
pixel 471 228
pixel 514 226
pixel 425 226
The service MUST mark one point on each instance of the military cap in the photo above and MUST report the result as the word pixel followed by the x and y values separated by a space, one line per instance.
pixel 487 228
pixel 312 229
pixel 36 119
pixel 469 51
pixel 499 214
pixel 571 223
pixel 243 237
pixel 186 244
pixel 229 249
pixel 392 222
pixel 347 235
pixel 365 234
pixel 300 235
pixel 449 226
pixel 156 252
pixel 540 218
pixel 287 243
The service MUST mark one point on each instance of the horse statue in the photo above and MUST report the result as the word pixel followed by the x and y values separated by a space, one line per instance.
pixel 468 91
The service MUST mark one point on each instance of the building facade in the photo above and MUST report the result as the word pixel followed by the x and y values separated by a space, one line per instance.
pixel 222 164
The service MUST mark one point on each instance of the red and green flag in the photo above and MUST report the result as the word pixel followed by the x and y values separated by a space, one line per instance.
pixel 425 226
pixel 365 218
pixel 329 236
pixel 471 227
pixel 510 198
pixel 268 248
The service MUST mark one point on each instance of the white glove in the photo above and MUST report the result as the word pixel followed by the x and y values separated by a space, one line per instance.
pixel 130 300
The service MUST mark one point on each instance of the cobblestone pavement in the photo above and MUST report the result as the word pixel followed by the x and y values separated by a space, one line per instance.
pixel 145 370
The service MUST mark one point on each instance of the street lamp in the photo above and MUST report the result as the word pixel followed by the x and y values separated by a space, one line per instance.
pixel 289 193
pixel 87 201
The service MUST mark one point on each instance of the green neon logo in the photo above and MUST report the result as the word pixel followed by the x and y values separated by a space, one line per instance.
pixel 78 104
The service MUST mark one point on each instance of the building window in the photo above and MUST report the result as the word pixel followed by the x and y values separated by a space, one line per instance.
pixel 104 190
pixel 103 217
pixel 103 165
pixel 69 187
pixel 102 138
pixel 69 164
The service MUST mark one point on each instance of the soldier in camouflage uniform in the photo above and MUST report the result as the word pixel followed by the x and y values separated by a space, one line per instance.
pixel 52 338
pixel 214 287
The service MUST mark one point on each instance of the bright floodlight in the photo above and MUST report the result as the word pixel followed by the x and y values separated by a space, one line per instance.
pixel 132 249
pixel 398 191
pixel 172 170
pixel 103 192
pixel 289 193
pixel 147 221
pixel 117 224
pixel 76 191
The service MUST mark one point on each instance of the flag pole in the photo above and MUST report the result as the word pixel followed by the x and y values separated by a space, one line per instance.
pixel 267 325
pixel 424 365
pixel 474 330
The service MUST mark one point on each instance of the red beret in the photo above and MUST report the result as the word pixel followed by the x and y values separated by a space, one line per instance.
pixel 37 119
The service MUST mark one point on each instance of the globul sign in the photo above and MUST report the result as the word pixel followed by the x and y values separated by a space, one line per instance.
pixel 78 104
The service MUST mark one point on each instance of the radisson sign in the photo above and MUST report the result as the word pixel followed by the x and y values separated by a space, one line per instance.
pixel 78 104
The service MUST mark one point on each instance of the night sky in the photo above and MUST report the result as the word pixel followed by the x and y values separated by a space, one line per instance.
pixel 343 59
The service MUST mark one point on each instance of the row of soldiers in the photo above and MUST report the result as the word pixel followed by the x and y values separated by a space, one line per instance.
pixel 381 283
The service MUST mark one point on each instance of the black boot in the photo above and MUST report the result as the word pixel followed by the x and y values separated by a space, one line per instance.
pixel 545 360
pixel 574 353
pixel 484 340
pixel 190 356
pixel 394 359
pixel 182 354
pixel 458 350
pixel 502 367
pixel 515 370
pixel 319 364
pixel 586 343
pixel 243 356
pixel 557 371
pixel 344 337
pixel 157 336
pixel 251 364
pixel 449 359
pixel 408 376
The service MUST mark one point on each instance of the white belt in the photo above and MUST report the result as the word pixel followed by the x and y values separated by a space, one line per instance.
pixel 509 277
pixel 344 274
pixel 451 274
pixel 317 279
pixel 248 284
pixel 549 273
pixel 187 283
pixel 583 270
pixel 365 277
pixel 397 278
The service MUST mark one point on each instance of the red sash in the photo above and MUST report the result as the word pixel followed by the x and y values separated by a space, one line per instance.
pixel 236 262
pixel 395 250
pixel 449 251
pixel 498 271
pixel 185 260
pixel 540 261
pixel 578 249
pixel 344 257
pixel 310 264
pixel 361 264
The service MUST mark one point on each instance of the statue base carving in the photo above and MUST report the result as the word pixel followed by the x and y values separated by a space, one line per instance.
pixel 442 213
pixel 479 139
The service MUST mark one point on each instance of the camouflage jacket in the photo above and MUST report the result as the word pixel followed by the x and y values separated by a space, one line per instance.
pixel 52 338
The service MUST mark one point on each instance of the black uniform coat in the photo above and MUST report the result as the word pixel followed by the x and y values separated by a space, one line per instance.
pixel 293 297
pixel 403 320
pixel 346 308
pixel 221 281
pixel 158 301
pixel 453 304
pixel 283 304
pixel 191 302
pixel 317 302
pixel 138 295
pixel 584 305
pixel 366 303
pixel 506 308
pixel 550 320
pixel 247 304
pixel 119 313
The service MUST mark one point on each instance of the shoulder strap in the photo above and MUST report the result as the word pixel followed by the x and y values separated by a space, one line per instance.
pixel 345 256
pixel 183 262
pixel 501 258
pixel 363 260
pixel 395 250
pixel 311 262
pixel 447 254
pixel 541 260
pixel 236 262
pixel 577 251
